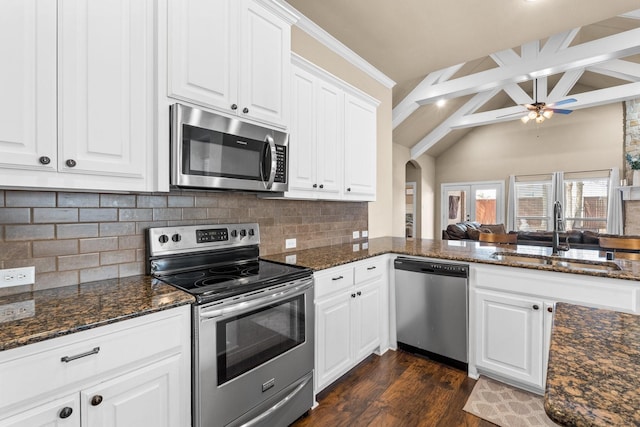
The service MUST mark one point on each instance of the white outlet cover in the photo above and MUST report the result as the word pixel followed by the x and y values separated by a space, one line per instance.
pixel 17 277
pixel 290 243
pixel 356 247
pixel 356 234
pixel 365 245
pixel 365 233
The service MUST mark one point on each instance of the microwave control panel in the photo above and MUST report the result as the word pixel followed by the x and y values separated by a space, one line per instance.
pixel 281 164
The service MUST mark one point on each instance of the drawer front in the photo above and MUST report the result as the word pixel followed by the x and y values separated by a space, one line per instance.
pixel 39 369
pixel 369 269
pixel 333 280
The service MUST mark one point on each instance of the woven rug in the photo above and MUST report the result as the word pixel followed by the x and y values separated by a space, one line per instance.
pixel 506 406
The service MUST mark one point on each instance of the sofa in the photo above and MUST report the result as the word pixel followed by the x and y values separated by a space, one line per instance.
pixel 471 230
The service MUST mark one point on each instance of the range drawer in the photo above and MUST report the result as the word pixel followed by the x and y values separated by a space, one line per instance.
pixel 86 356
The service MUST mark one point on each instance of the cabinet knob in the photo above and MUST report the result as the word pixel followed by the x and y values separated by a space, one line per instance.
pixel 65 412
pixel 44 160
pixel 349 189
pixel 71 163
pixel 96 400
pixel 535 306
pixel 359 293
pixel 234 106
pixel 550 309
pixel 315 185
pixel 245 110
pixel 353 295
pixel 321 185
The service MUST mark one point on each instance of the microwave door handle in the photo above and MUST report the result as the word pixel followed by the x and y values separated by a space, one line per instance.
pixel 274 162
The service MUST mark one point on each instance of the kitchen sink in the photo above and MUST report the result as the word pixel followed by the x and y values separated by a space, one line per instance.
pixel 573 264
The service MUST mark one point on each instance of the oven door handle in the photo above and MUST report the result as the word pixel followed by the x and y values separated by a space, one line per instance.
pixel 269 299
pixel 274 161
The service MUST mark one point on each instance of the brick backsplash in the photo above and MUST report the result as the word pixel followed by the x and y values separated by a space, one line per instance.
pixel 72 238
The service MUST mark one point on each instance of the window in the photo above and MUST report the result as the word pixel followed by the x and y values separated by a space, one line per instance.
pixel 534 203
pixel 585 201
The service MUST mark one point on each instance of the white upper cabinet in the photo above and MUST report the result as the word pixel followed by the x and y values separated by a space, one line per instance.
pixel 232 56
pixel 332 148
pixel 28 83
pixel 78 84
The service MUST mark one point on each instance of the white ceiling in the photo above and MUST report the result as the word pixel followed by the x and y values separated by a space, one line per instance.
pixel 414 40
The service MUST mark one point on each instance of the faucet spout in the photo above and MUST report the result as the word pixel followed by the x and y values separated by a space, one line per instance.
pixel 558 226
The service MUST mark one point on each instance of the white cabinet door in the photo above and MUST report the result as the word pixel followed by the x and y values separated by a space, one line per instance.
pixel 367 319
pixel 203 53
pixel 265 55
pixel 64 412
pixel 28 84
pixel 329 139
pixel 106 87
pixel 360 150
pixel 333 338
pixel 302 139
pixel 510 335
pixel 145 397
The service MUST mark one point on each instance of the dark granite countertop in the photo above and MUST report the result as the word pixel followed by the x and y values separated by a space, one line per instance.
pixel 69 309
pixel 593 377
pixel 457 250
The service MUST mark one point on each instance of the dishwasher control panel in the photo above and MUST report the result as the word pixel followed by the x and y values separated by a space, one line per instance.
pixel 429 267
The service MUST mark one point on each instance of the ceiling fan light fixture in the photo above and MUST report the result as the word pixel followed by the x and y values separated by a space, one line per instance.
pixel 532 115
pixel 539 119
pixel 524 119
pixel 548 114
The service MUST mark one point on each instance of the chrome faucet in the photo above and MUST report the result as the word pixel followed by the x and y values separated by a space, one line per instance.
pixel 558 225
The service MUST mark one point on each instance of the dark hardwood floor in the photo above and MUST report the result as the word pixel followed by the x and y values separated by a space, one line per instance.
pixel 396 389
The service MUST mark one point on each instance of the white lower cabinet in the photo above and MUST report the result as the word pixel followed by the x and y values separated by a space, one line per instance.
pixel 512 316
pixel 127 374
pixel 350 308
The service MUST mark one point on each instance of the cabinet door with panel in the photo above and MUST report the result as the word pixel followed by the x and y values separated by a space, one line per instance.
pixel 367 318
pixel 106 93
pixel 329 139
pixel 510 336
pixel 28 84
pixel 360 147
pixel 62 412
pixel 334 338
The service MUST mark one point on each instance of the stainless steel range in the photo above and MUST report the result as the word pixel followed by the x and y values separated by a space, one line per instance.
pixel 252 324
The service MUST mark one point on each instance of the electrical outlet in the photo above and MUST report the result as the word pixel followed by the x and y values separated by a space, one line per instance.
pixel 17 277
pixel 290 243
pixel 356 247
pixel 17 310
pixel 365 245
pixel 365 233
pixel 356 234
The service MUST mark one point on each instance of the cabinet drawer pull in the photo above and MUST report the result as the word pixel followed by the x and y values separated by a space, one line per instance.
pixel 65 412
pixel 67 359
pixel 371 268
pixel 96 400
pixel 535 306
pixel 337 278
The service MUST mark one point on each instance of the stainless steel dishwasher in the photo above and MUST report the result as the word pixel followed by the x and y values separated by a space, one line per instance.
pixel 432 309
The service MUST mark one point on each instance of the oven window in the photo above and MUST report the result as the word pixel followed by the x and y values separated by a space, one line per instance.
pixel 212 153
pixel 249 340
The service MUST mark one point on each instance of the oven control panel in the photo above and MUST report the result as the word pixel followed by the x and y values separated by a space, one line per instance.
pixel 192 238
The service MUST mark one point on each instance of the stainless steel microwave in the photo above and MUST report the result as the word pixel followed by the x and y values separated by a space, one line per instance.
pixel 210 151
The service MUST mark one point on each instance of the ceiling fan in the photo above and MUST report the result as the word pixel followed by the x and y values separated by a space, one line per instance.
pixel 539 111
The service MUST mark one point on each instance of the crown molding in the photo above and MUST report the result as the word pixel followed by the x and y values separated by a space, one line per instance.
pixel 315 31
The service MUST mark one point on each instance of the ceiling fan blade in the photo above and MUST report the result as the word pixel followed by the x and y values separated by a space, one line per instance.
pixel 560 111
pixel 564 101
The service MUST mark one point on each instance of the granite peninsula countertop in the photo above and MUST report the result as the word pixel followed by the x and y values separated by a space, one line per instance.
pixel 593 377
pixel 455 250
pixel 69 309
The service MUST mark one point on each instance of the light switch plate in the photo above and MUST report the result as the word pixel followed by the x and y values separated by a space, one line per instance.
pixel 365 233
pixel 17 277
pixel 365 245
pixel 356 247
pixel 290 243
pixel 356 234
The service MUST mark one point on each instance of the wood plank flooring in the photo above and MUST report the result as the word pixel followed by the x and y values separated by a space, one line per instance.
pixel 396 389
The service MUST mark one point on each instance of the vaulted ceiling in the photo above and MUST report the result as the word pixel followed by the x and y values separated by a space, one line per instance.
pixel 483 57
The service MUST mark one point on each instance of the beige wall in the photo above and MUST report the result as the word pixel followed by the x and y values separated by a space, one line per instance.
pixel 380 212
pixel 584 140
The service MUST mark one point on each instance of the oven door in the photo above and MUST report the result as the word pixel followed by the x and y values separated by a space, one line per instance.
pixel 252 358
pixel 212 151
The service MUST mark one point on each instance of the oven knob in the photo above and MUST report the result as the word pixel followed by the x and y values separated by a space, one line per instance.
pixel 243 233
pixel 163 238
pixel 176 237
pixel 234 233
